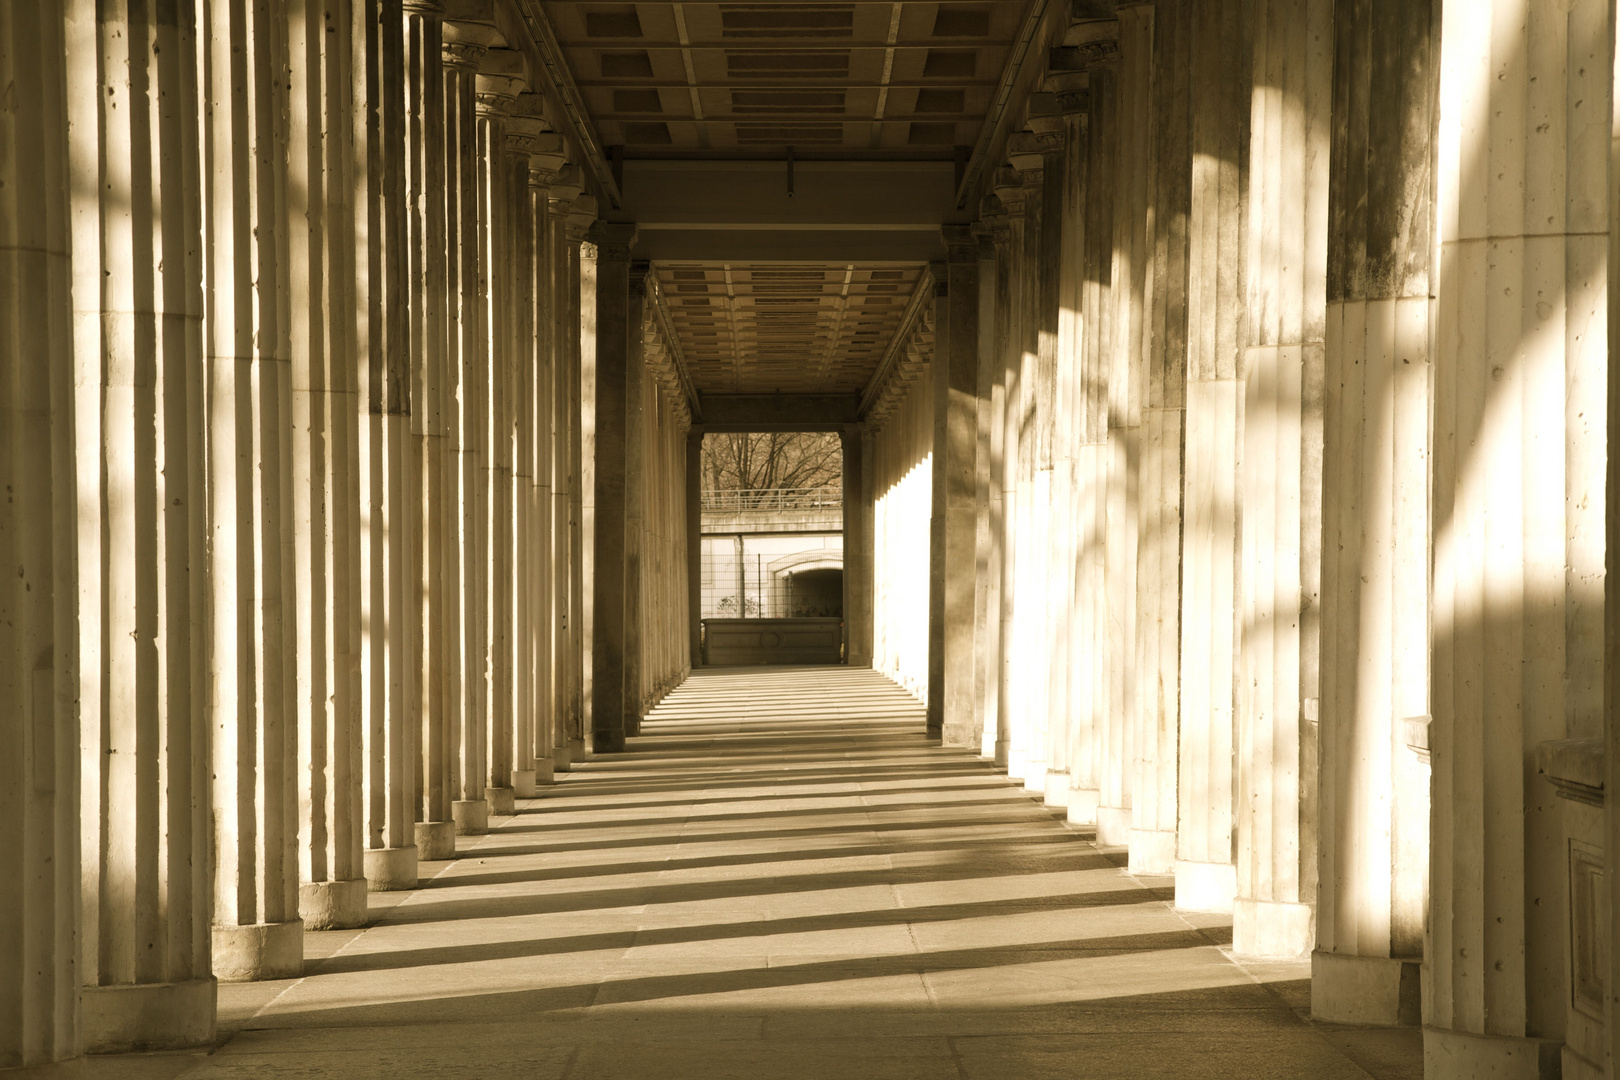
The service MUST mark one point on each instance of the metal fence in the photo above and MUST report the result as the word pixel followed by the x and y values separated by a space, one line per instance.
pixel 816 498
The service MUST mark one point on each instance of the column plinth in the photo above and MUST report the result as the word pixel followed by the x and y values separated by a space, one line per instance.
pixel 471 816
pixel 1205 886
pixel 390 869
pixel 254 951
pixel 435 841
pixel 525 784
pixel 131 1019
pixel 501 800
pixel 333 905
pixel 1375 991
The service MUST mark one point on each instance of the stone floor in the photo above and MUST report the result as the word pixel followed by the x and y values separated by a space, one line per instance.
pixel 781 880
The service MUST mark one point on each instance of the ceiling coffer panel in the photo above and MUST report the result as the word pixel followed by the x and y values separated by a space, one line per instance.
pixel 911 78
pixel 803 328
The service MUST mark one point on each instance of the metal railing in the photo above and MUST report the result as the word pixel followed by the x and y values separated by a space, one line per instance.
pixel 817 498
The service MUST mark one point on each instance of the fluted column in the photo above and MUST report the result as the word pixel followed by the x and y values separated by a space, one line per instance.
pixel 251 593
pixel 137 347
pixel 1282 479
pixel 578 342
pixel 390 551
pixel 495 280
pixel 638 493
pixel 951 549
pixel 1518 595
pixel 1009 240
pixel 1220 63
pixel 1059 309
pixel 609 704
pixel 857 547
pixel 1129 344
pixel 467 388
pixel 694 546
pixel 325 457
pixel 1374 804
pixel 1095 729
pixel 562 515
pixel 432 427
pixel 39 736
pixel 1158 588
pixel 986 492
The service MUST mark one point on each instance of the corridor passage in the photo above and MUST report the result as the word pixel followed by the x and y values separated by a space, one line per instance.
pixel 783 880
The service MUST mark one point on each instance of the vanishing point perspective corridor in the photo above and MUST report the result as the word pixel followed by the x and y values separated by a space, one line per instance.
pixel 784 880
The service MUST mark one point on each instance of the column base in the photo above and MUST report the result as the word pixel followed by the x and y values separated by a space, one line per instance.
pixel 1114 825
pixel 1016 763
pixel 562 759
pixel 1153 851
pixel 1035 776
pixel 259 951
pixel 544 773
pixel 1083 806
pixel 471 816
pixel 576 749
pixel 1460 1055
pixel 501 801
pixel 1272 929
pixel 1057 788
pixel 149 1016
pixel 1202 886
pixel 435 841
pixel 523 784
pixel 333 905
pixel 391 869
pixel 1373 991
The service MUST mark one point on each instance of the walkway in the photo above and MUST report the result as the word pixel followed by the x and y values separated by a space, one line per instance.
pixel 782 880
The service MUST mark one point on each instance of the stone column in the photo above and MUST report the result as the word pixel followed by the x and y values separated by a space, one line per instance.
pixel 495 95
pixel 1055 437
pixel 251 593
pixel 638 429
pixel 986 524
pixel 39 653
pixel 326 465
pixel 1281 479
pixel 857 552
pixel 1096 730
pixel 955 373
pixel 563 512
pixel 1520 357
pixel 1008 235
pixel 389 559
pixel 432 413
pixel 1221 88
pixel 1374 806
pixel 133 365
pixel 694 545
pixel 1129 343
pixel 578 327
pixel 1158 576
pixel 609 706
pixel 466 387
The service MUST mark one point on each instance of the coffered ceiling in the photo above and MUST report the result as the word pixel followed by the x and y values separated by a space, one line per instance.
pixel 899 78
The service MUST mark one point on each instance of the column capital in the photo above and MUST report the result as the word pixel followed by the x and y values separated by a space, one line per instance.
pixel 427 9
pixel 1024 153
pixel 961 246
pixel 463 55
pixel 613 240
pixel 492 103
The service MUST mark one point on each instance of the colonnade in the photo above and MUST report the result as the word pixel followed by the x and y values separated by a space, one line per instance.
pixel 1290 323
pixel 293 435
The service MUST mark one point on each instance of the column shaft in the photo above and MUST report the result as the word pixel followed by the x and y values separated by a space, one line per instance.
pixel 251 596
pixel 1221 60
pixel 326 460
pixel 467 388
pixel 1158 593
pixel 432 425
pixel 986 497
pixel 1374 805
pixel 638 493
pixel 694 546
pixel 579 326
pixel 610 400
pixel 857 551
pixel 137 348
pixel 39 676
